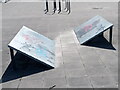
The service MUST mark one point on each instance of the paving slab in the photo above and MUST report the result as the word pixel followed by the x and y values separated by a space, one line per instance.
pixel 79 82
pixel 11 84
pixel 35 83
pixel 103 82
pixel 106 89
pixel 55 73
pixel 75 65
pixel 96 70
pixel 59 62
pixel 58 51
pixel 76 73
pixel 67 49
pixel 55 82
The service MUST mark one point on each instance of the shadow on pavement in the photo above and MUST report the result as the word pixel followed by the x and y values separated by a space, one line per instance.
pixel 22 66
pixel 100 42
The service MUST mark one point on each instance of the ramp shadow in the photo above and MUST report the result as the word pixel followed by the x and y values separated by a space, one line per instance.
pixel 22 66
pixel 100 42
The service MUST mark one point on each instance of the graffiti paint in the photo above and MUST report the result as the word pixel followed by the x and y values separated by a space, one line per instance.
pixel 88 28
pixel 91 28
pixel 35 45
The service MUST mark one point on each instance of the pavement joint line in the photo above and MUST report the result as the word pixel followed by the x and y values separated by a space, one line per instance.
pixel 67 85
pixel 19 83
pixel 115 53
pixel 87 73
pixel 89 78
pixel 105 66
pixel 102 63
pixel 43 82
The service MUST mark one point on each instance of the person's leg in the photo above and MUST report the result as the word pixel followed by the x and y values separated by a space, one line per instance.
pixel 65 4
pixel 54 6
pixel 59 10
pixel 69 10
pixel 46 6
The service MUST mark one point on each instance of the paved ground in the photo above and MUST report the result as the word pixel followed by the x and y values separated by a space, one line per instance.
pixel 78 66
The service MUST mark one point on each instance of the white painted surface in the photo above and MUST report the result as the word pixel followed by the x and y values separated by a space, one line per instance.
pixel 34 45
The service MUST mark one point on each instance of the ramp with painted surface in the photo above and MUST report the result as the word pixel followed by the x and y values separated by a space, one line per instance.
pixel 3 1
pixel 92 28
pixel 34 45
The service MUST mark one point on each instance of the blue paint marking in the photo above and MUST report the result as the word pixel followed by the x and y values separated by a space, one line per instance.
pixel 41 52
pixel 35 45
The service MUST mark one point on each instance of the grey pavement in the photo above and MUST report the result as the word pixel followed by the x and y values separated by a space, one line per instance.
pixel 77 66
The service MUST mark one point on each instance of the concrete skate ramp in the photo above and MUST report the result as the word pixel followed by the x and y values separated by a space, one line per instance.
pixel 91 29
pixel 34 45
